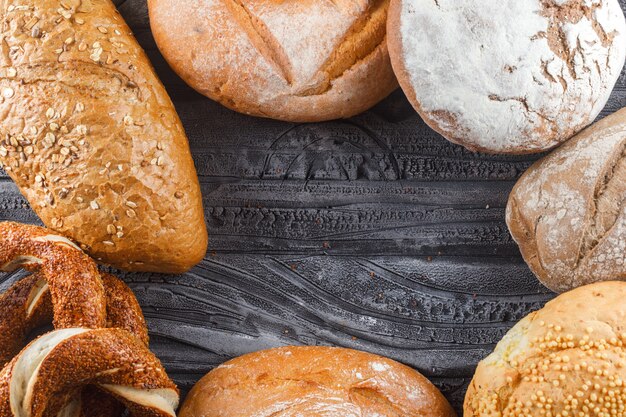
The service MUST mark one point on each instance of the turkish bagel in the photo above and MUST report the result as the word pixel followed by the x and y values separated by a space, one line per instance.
pixel 73 278
pixel 27 305
pixel 43 378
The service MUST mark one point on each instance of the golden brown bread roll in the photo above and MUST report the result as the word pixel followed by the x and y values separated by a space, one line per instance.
pixel 314 381
pixel 565 360
pixel 568 211
pixel 300 61
pixel 92 139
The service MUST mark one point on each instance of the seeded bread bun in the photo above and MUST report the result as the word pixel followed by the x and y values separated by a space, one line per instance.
pixel 300 61
pixel 90 136
pixel 314 381
pixel 507 76
pixel 568 211
pixel 567 359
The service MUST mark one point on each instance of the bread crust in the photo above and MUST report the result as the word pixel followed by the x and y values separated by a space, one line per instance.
pixel 314 381
pixel 74 282
pixel 570 355
pixel 42 379
pixel 93 141
pixel 301 61
pixel 568 211
pixel 27 305
pixel 508 77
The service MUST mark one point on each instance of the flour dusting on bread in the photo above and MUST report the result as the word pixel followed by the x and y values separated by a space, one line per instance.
pixel 568 211
pixel 508 76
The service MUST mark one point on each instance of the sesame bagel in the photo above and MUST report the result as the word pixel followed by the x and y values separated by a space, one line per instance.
pixel 27 305
pixel 23 308
pixel 73 279
pixel 42 379
pixel 567 359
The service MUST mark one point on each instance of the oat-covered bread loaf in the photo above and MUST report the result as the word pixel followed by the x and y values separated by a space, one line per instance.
pixel 298 60
pixel 507 76
pixel 568 211
pixel 567 359
pixel 314 382
pixel 93 141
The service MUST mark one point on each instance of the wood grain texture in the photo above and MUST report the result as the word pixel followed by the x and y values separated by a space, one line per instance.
pixel 372 233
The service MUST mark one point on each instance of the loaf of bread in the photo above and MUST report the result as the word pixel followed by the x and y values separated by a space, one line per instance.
pixel 313 382
pixel 507 76
pixel 300 61
pixel 93 141
pixel 567 359
pixel 568 211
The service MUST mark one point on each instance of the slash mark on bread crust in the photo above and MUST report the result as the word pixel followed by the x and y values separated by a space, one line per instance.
pixel 261 38
pixel 608 200
pixel 365 36
pixel 344 5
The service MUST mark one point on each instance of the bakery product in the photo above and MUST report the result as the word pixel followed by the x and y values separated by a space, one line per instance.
pixel 567 359
pixel 93 141
pixel 44 378
pixel 27 306
pixel 507 76
pixel 314 381
pixel 568 211
pixel 299 61
pixel 73 370
pixel 73 279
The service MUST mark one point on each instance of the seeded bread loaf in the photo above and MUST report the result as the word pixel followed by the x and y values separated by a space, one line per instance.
pixel 93 141
pixel 567 359
pixel 568 211
pixel 299 61
pixel 312 382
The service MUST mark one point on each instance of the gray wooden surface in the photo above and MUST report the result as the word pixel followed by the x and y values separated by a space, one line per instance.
pixel 372 233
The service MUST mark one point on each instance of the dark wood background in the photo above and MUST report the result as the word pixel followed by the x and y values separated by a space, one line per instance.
pixel 372 233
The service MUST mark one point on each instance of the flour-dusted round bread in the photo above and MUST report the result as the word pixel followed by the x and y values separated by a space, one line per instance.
pixel 568 211
pixel 93 141
pixel 567 359
pixel 299 60
pixel 507 76
pixel 314 382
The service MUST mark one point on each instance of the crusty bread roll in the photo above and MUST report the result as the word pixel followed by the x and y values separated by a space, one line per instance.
pixel 567 359
pixel 507 76
pixel 90 136
pixel 568 211
pixel 314 381
pixel 300 61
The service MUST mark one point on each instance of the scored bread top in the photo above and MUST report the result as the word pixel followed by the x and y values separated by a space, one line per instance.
pixel 292 60
pixel 568 211
pixel 507 76
pixel 93 141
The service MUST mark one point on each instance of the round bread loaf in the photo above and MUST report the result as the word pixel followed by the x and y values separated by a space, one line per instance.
pixel 567 359
pixel 568 211
pixel 507 76
pixel 299 61
pixel 314 381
